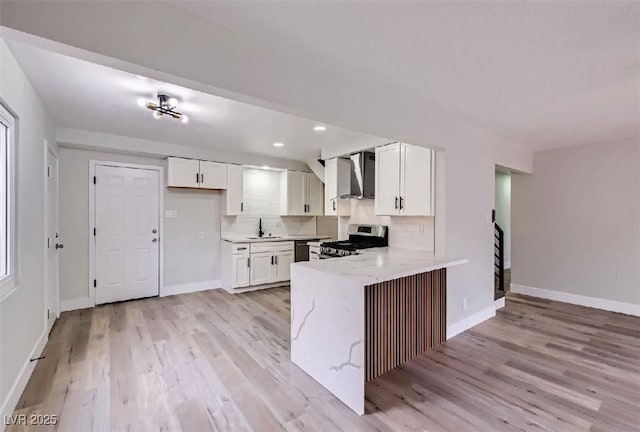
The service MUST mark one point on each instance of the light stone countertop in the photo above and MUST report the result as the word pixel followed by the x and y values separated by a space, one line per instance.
pixel 382 264
pixel 246 239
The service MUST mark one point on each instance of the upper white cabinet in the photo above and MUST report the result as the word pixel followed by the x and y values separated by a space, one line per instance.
pixel 336 185
pixel 300 194
pixel 234 195
pixel 213 175
pixel 192 173
pixel 404 180
pixel 183 172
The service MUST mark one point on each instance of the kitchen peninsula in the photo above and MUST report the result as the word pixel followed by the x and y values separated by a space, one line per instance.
pixel 356 317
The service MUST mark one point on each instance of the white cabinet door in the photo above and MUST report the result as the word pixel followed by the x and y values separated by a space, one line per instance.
pixel 261 268
pixel 293 193
pixel 336 183
pixel 416 183
pixel 314 195
pixel 282 266
pixel 213 175
pixel 387 199
pixel 234 195
pixel 183 172
pixel 240 271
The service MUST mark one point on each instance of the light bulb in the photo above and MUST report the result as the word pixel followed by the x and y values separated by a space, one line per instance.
pixel 173 102
pixel 184 119
pixel 141 102
pixel 157 114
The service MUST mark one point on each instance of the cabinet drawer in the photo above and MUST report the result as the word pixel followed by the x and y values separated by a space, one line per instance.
pixel 272 246
pixel 240 248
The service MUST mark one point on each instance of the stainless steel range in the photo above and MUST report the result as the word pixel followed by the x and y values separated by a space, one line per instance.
pixel 360 237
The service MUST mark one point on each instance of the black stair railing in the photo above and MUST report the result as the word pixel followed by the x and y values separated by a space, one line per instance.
pixel 499 257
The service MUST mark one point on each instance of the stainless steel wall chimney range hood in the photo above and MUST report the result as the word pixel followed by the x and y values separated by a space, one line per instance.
pixel 361 176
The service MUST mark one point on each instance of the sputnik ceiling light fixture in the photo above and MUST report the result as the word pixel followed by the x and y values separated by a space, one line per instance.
pixel 165 105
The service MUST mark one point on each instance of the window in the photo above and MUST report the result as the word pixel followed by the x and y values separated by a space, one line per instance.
pixel 7 234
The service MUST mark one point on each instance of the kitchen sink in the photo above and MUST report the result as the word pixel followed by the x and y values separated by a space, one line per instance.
pixel 263 237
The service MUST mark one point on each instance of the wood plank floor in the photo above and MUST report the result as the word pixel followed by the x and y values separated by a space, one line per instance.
pixel 212 361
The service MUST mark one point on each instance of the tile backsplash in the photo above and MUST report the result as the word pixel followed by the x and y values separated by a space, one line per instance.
pixel 411 232
pixel 262 200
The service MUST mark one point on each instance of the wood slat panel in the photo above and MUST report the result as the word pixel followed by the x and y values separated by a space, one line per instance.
pixel 403 318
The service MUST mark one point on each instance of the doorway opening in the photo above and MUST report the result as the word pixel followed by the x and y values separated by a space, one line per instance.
pixel 502 232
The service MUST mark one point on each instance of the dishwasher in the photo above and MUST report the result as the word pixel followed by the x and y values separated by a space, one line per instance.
pixel 302 250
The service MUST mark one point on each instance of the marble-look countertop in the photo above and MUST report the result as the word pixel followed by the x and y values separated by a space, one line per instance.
pixel 382 264
pixel 245 239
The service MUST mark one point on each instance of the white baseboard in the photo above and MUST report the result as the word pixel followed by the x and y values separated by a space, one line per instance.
pixel 470 321
pixel 10 402
pixel 592 302
pixel 74 304
pixel 190 287
pixel 499 304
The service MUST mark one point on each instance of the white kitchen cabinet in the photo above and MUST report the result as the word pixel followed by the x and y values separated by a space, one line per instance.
pixel 213 175
pixel 300 194
pixel 234 194
pixel 336 183
pixel 183 172
pixel 282 266
pixel 193 173
pixel 261 268
pixel 240 271
pixel 404 180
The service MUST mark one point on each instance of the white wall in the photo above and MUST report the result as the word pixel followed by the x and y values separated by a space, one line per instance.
pixel 576 222
pixel 503 211
pixel 22 314
pixel 411 232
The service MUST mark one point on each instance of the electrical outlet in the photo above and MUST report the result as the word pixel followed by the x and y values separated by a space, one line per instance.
pixel 201 235
pixel 464 304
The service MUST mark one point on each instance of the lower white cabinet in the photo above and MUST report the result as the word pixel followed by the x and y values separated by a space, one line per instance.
pixel 253 264
pixel 240 271
pixel 282 266
pixel 261 265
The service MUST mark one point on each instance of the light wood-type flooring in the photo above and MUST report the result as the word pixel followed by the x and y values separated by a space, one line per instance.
pixel 213 361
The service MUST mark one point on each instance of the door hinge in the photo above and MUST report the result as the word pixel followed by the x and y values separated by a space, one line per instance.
pixel 95 283
pixel 94 179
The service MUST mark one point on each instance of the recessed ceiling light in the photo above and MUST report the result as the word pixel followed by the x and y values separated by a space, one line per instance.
pixel 278 144
pixel 319 128
pixel 265 167
pixel 141 102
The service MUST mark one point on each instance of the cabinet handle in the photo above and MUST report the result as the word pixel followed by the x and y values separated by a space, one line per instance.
pixel 401 206
pixel 249 262
pixel 276 258
pixel 334 204
pixel 201 178
pixel 197 178
pixel 241 206
pixel 396 206
pixel 271 259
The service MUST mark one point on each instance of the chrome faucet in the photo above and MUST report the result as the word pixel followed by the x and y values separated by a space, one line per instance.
pixel 260 230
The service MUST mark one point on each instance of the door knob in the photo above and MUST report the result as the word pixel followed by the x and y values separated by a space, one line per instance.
pixel 154 239
pixel 59 246
pixel 154 231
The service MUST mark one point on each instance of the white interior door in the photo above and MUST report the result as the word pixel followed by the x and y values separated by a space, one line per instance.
pixel 127 237
pixel 53 238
